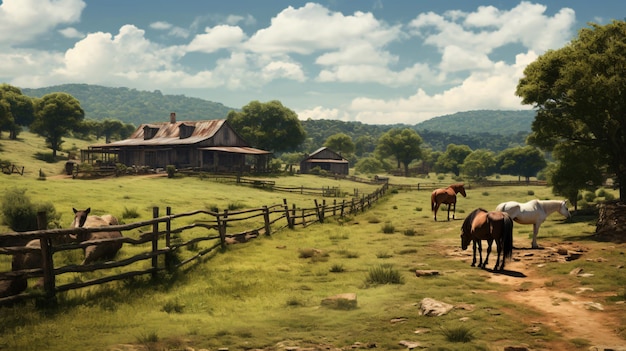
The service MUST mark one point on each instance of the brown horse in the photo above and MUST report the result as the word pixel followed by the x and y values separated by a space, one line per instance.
pixel 491 226
pixel 100 251
pixel 446 196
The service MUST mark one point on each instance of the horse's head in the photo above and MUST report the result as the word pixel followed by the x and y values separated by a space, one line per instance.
pixel 80 216
pixel 459 188
pixel 563 209
pixel 465 231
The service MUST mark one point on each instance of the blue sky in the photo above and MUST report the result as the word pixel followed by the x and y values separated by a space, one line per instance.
pixel 373 61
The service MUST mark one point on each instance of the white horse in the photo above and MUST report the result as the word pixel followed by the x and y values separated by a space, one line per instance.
pixel 533 212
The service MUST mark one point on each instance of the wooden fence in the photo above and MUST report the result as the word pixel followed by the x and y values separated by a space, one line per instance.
pixel 162 243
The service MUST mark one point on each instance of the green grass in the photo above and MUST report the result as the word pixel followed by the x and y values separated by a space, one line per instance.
pixel 269 291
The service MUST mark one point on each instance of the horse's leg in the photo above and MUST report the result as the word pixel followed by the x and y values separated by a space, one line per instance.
pixel 498 249
pixel 535 232
pixel 453 210
pixel 486 261
pixel 480 253
pixel 474 259
pixel 435 210
pixel 448 205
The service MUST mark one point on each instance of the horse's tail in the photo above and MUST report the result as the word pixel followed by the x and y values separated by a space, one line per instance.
pixel 433 195
pixel 507 233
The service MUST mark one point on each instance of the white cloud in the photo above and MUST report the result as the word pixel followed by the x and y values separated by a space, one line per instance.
pixel 72 33
pixel 172 30
pixel 24 20
pixel 216 38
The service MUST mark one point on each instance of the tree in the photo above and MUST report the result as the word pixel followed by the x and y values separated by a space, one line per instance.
pixel 452 159
pixel 364 144
pixel 403 144
pixel 576 168
pixel 16 110
pixel 579 95
pixel 56 114
pixel 521 161
pixel 269 126
pixel 341 143
pixel 479 163
pixel 369 165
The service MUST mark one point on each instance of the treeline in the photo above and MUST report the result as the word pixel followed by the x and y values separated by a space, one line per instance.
pixel 485 129
pixel 134 106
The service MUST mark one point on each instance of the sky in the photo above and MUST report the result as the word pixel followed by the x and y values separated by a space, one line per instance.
pixel 373 61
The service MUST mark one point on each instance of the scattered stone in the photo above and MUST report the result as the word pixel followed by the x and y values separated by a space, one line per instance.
pixel 345 301
pixel 399 320
pixel 516 348
pixel 409 344
pixel 594 306
pixel 433 308
pixel 426 272
pixel 464 319
pixel 582 290
pixel 422 331
pixel 576 271
pixel 562 251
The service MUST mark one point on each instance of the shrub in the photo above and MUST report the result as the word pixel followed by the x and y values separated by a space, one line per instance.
pixel 388 228
pixel 409 232
pixel 530 192
pixel 20 214
pixel 337 268
pixel 383 274
pixel 130 213
pixel 171 170
pixel 458 334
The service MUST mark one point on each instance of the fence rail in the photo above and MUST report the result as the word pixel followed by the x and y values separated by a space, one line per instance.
pixel 161 243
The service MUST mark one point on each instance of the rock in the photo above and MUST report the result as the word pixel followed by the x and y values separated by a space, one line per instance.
pixel 433 308
pixel 426 272
pixel 345 301
pixel 409 344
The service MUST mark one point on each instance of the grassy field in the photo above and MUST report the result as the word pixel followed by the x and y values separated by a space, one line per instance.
pixel 266 294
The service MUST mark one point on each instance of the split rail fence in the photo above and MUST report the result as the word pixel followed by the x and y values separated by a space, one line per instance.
pixel 162 243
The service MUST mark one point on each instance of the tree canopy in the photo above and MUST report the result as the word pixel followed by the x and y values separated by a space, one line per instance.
pixel 341 143
pixel 521 161
pixel 403 144
pixel 16 110
pixel 578 92
pixel 269 126
pixel 56 114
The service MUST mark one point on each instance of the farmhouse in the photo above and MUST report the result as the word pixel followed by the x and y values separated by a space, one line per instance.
pixel 211 145
pixel 327 160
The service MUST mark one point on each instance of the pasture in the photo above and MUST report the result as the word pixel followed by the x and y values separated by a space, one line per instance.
pixel 266 294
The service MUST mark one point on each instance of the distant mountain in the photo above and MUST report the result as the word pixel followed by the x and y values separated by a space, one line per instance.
pixel 490 129
pixel 481 121
pixel 135 106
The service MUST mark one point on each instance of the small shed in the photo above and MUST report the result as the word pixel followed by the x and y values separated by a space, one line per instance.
pixel 327 160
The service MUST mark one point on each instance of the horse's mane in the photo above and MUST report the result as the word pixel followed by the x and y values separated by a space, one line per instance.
pixel 457 185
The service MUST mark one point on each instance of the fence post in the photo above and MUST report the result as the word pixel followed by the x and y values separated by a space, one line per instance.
pixel 155 241
pixel 45 242
pixel 287 215
pixel 221 222
pixel 266 218
pixel 320 215
pixel 168 228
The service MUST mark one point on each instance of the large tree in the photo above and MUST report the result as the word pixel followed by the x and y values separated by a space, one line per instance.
pixel 521 161
pixel 16 110
pixel 56 115
pixel 403 144
pixel 341 143
pixel 479 164
pixel 580 97
pixel 269 126
pixel 452 159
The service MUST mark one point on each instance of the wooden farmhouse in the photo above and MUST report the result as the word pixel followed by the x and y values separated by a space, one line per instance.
pixel 327 160
pixel 211 145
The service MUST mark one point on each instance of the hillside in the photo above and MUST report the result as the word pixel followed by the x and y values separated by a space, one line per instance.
pixel 489 129
pixel 134 106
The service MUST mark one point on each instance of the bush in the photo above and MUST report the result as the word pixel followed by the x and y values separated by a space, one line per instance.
pixel 20 214
pixel 171 170
pixel 384 274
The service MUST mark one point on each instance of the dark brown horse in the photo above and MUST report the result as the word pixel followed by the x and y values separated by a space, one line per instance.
pixel 491 226
pixel 100 251
pixel 446 196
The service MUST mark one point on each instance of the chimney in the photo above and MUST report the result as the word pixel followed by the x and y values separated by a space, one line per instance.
pixel 173 117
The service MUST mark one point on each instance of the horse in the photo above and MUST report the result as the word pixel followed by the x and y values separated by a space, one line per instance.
pixel 446 196
pixel 534 212
pixel 491 226
pixel 100 251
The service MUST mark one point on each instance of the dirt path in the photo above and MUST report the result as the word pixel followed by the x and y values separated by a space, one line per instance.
pixel 571 315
